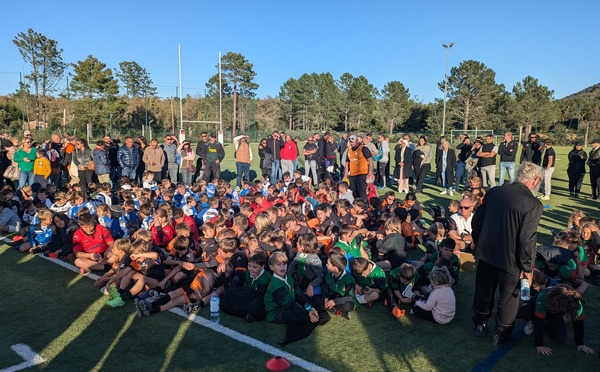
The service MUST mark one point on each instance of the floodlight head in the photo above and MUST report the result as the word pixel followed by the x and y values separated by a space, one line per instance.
pixel 451 45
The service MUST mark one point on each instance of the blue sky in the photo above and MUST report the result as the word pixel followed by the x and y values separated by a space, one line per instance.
pixel 553 41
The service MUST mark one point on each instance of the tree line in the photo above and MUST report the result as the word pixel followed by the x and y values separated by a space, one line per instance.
pixel 125 98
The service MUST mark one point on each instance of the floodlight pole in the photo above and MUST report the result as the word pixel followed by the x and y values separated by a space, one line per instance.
pixel 220 97
pixel 445 86
pixel 180 92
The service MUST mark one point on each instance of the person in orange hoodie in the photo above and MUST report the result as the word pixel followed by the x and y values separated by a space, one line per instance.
pixel 41 168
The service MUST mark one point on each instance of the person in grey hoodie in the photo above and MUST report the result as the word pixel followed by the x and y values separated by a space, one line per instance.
pixel 101 163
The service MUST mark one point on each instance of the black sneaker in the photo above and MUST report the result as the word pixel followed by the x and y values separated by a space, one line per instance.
pixel 480 330
pixel 346 315
pixel 37 249
pixel 192 307
pixel 249 318
pixel 504 341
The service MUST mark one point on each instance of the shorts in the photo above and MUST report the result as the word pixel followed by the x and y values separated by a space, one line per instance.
pixel 200 287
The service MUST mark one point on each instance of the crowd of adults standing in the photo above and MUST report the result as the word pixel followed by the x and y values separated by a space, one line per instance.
pixel 358 158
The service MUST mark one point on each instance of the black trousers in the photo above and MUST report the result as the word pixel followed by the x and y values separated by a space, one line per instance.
pixel 595 181
pixel 427 315
pixel 487 279
pixel 575 180
pixel 423 171
pixel 358 185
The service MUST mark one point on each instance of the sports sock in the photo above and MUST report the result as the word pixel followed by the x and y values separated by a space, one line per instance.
pixel 161 301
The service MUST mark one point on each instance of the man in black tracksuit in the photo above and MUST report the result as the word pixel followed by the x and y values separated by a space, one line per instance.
pixel 594 163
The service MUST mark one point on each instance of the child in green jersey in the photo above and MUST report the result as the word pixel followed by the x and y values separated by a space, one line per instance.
pixel 370 280
pixel 400 287
pixel 338 288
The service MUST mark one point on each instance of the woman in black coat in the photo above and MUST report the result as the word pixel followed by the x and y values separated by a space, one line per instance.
pixel 403 158
pixel 576 169
pixel 445 175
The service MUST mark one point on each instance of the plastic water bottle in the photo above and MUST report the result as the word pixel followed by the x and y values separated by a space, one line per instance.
pixel 525 290
pixel 215 316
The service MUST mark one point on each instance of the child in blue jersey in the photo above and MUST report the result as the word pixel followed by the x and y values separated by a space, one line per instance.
pixel 180 197
pixel 79 202
pixel 148 181
pixel 103 213
pixel 189 209
pixel 38 235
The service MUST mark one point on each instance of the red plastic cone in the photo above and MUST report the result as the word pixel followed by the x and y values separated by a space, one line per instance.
pixel 278 364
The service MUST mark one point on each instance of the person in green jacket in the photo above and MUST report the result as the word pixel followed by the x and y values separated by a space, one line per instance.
pixel 25 157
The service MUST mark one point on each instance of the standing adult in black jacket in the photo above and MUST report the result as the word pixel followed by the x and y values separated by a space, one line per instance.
pixel 594 163
pixel 201 152
pixel 505 236
pixel 532 150
pixel 445 161
pixel 508 154
pixel 576 169
pixel 275 143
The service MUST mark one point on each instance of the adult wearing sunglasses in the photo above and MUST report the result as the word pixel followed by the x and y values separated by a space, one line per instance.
pixel 532 150
pixel 459 225
pixel 25 157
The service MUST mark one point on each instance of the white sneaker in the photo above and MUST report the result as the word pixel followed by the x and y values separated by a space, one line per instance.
pixel 444 192
pixel 104 290
pixel 545 197
pixel 451 193
pixel 528 329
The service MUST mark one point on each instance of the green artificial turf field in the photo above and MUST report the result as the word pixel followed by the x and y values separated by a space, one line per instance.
pixel 62 317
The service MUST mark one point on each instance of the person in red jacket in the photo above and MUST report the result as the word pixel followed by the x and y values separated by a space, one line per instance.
pixel 289 153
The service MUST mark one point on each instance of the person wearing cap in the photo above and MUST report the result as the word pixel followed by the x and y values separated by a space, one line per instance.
pixel 215 153
pixel 594 163
pixel 359 167
pixel 243 158
pixel 576 169
pixel 532 150
pixel 27 133
pixel 548 166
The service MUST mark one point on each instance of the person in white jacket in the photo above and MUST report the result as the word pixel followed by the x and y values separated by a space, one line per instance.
pixel 440 306
pixel 243 158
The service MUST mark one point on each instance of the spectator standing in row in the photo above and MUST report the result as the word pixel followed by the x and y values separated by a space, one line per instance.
pixel 81 159
pixel 487 161
pixel 422 162
pixel 404 167
pixel 53 152
pixel 128 158
pixel 25 157
pixel 342 146
pixel 171 156
pixel 548 167
pixel 201 152
pixel 288 154
pixel 532 150
pixel 112 153
pixel 154 157
pixel 215 153
pixel 310 160
pixel 243 158
pixel 140 145
pixel 594 163
pixel 461 171
pixel 383 165
pixel 275 143
pixel 266 157
pixel 508 154
pixel 101 163
pixel 576 169
pixel 188 168
pixel 445 163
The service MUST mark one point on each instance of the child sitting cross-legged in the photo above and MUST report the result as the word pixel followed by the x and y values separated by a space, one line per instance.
pixel 284 304
pixel 248 301
pixel 119 262
pixel 370 281
pixel 338 288
pixel 440 306
pixel 400 288
pixel 38 235
pixel 306 268
pixel 90 242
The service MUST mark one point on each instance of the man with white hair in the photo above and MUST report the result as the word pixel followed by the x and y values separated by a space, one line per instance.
pixel 505 235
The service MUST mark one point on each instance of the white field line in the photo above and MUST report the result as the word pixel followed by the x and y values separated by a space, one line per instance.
pixel 266 348
pixel 31 358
